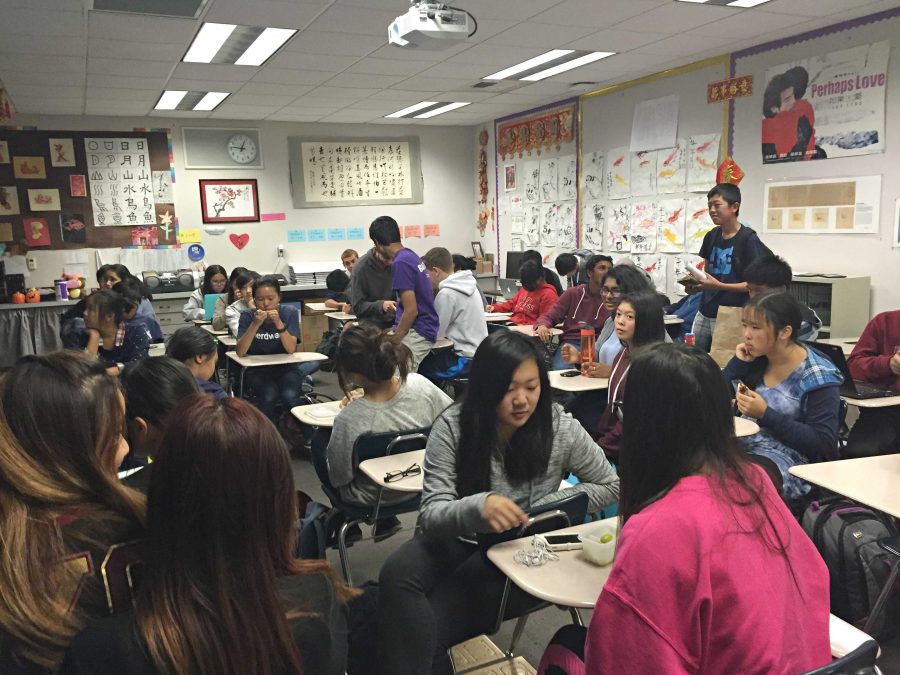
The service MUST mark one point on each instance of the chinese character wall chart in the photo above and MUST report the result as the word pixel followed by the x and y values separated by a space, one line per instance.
pixel 334 172
pixel 120 180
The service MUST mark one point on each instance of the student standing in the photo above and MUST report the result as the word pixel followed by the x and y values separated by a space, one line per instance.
pixel 712 572
pixel 727 249
pixel 460 313
pixel 272 328
pixel 579 305
pixel 221 591
pixel 371 290
pixel 876 359
pixel 215 279
pixel 416 324
pixel 535 298
pixel 500 452
pixel 793 391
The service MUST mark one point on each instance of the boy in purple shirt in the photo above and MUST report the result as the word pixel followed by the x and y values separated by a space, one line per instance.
pixel 417 322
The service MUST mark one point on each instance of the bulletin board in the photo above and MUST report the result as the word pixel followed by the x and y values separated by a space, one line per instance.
pixel 537 181
pixel 355 171
pixel 78 189
pixel 651 206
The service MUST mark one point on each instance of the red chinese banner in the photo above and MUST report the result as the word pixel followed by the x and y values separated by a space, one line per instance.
pixel 725 90
pixel 548 129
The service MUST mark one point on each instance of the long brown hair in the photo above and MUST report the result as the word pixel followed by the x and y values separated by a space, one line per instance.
pixel 60 423
pixel 370 352
pixel 221 510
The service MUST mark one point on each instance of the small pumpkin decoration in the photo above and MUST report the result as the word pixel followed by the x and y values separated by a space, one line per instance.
pixel 32 296
pixel 18 298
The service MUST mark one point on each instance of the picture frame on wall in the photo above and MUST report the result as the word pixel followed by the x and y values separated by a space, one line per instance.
pixel 477 251
pixel 229 201
pixel 509 178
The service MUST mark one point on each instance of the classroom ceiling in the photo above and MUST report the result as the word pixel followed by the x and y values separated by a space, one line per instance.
pixel 61 57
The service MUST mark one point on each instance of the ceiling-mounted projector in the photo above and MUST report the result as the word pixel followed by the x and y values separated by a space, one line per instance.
pixel 431 25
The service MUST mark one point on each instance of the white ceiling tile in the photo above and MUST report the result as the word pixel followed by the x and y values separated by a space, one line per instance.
pixel 751 21
pixel 597 14
pixel 457 71
pixel 235 109
pixel 394 52
pixel 19 43
pixel 99 106
pixel 123 95
pixel 323 42
pixel 129 67
pixel 540 35
pixel 39 63
pixel 676 17
pixel 50 23
pixel 180 114
pixel 264 88
pixel 115 26
pixel 815 8
pixel 341 93
pixel 323 62
pixel 135 49
pixel 221 72
pixel 501 9
pixel 361 80
pixel 471 95
pixel 374 66
pixel 124 82
pixel 437 83
pixel 290 76
pixel 354 20
pixel 57 5
pixel 278 100
pixel 50 79
pixel 53 106
pixel 38 90
pixel 352 116
pixel 613 40
pixel 275 13
pixel 400 95
pixel 281 116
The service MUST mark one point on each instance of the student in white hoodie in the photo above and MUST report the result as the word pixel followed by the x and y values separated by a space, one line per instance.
pixel 460 312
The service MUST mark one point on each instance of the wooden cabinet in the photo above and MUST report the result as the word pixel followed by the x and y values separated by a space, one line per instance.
pixel 843 303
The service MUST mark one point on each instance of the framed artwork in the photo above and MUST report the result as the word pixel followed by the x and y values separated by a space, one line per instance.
pixel 29 168
pixel 4 152
pixel 37 232
pixel 62 152
pixel 477 250
pixel 9 201
pixel 77 185
pixel 509 176
pixel 44 199
pixel 229 201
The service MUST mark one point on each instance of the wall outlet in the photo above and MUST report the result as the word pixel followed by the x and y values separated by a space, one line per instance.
pixel 280 250
pixel 31 263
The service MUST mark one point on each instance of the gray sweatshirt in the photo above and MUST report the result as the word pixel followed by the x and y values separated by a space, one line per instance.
pixel 461 313
pixel 445 514
pixel 370 286
pixel 416 405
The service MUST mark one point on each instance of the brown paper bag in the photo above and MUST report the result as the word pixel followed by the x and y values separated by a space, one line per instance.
pixel 727 334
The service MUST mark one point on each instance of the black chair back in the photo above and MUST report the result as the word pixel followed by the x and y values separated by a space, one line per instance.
pixel 369 446
pixel 861 661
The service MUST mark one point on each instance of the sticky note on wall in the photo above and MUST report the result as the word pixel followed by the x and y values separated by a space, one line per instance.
pixel 189 235
pixel 315 234
pixel 295 236
pixel 412 231
pixel 356 233
pixel 337 234
pixel 432 230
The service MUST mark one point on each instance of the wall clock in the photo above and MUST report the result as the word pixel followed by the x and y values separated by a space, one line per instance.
pixel 221 148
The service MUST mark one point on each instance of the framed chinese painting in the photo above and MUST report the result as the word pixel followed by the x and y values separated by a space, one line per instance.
pixel 229 201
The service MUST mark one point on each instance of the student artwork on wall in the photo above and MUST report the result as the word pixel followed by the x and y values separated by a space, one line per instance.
pixel 679 270
pixel 72 229
pixel 826 106
pixel 671 175
pixel 355 172
pixel 568 187
pixel 77 185
pixel 697 223
pixel 4 152
pixel 162 186
pixel 509 177
pixel 654 264
pixel 896 243
pixel 37 232
pixel 594 220
pixel 549 187
pixel 703 161
pixel 592 175
pixel 62 152
pixel 823 206
pixel 671 218
pixel 29 168
pixel 643 174
pixel 533 225
pixel 618 173
pixel 618 225
pixel 43 199
pixel 567 220
pixel 9 200
pixel 549 224
pixel 643 227
pixel 120 181
pixel 532 181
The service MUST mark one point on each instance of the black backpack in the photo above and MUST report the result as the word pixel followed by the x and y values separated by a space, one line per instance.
pixel 846 535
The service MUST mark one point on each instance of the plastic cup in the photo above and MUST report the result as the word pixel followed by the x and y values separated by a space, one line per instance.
pixel 597 551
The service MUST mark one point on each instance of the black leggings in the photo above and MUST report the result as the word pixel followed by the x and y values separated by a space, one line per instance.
pixel 433 595
pixel 876 432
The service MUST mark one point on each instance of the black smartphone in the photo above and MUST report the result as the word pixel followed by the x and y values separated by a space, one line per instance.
pixel 570 373
pixel 562 538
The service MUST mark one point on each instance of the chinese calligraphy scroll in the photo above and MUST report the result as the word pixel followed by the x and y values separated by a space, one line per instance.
pixel 120 179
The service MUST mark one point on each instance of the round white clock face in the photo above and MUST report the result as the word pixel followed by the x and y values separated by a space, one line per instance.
pixel 242 148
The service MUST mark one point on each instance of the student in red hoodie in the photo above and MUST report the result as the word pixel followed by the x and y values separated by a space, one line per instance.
pixel 535 298
pixel 579 305
pixel 876 359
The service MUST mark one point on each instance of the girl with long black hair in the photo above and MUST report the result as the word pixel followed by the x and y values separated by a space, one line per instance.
pixel 503 450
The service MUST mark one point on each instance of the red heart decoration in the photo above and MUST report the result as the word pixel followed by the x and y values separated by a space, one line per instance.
pixel 239 240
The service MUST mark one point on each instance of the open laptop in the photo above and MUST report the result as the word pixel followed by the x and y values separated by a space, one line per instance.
pixel 510 287
pixel 851 388
pixel 209 305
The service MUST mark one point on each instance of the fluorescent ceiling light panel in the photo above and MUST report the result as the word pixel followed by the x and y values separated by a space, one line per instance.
pixel 441 110
pixel 211 100
pixel 568 65
pixel 268 42
pixel 746 3
pixel 728 3
pixel 529 64
pixel 208 42
pixel 412 108
pixel 169 100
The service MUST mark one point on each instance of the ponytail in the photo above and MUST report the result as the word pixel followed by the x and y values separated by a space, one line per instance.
pixel 369 352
